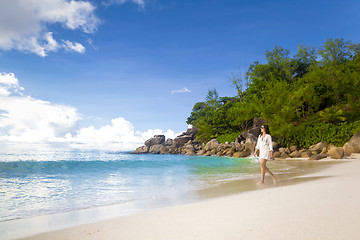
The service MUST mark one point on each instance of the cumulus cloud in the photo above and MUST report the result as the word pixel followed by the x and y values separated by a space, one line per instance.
pixel 8 84
pixel 24 24
pixel 183 90
pixel 24 119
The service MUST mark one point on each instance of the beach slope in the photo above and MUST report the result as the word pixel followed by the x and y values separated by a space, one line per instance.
pixel 325 208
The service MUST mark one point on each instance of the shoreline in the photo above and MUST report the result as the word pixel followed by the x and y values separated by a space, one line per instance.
pixel 228 190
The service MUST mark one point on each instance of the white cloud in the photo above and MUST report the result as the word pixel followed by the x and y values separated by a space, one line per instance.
pixel 183 90
pixel 24 119
pixel 77 47
pixel 151 132
pixel 140 3
pixel 9 83
pixel 24 24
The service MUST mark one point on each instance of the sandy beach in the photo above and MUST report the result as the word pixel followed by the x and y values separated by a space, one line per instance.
pixel 327 207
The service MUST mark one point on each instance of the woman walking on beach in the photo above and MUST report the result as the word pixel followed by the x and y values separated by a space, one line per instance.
pixel 264 144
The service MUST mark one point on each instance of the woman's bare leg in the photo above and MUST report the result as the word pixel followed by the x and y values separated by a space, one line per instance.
pixel 271 174
pixel 263 170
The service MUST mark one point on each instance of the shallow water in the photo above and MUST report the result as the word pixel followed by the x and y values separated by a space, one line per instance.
pixel 48 190
pixel 37 183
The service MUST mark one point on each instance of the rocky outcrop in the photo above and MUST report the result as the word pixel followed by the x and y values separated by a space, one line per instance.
pixel 212 144
pixel 185 137
pixel 169 142
pixel 141 150
pixel 156 140
pixel 243 146
pixel 155 149
pixel 158 145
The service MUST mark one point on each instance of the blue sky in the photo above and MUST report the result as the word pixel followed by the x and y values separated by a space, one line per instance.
pixel 139 66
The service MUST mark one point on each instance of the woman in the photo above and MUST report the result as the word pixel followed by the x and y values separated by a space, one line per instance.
pixel 264 144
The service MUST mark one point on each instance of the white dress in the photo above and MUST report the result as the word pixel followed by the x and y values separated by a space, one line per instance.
pixel 265 146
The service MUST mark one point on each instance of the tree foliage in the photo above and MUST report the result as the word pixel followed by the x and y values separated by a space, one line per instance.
pixel 315 91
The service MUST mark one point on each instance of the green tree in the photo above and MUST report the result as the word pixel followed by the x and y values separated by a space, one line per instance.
pixel 338 51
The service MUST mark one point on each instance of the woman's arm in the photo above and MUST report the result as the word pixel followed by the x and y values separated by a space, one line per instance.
pixel 255 152
pixel 271 147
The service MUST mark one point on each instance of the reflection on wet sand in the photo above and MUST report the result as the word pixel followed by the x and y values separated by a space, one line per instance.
pixel 293 174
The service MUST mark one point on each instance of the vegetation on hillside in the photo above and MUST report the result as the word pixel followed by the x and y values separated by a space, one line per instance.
pixel 309 97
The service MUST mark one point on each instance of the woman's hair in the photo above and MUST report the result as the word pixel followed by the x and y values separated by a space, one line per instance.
pixel 267 131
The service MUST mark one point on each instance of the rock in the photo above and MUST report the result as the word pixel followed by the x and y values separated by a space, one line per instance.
pixel 336 152
pixel 180 141
pixel 283 155
pixel 212 144
pixel 277 154
pixel 208 153
pixel 348 149
pixel 317 147
pixel 284 150
pixel 185 137
pixel 295 154
pixel 189 146
pixel 192 131
pixel 227 145
pixel 220 148
pixel 254 132
pixel 324 151
pixel 238 146
pixel 293 148
pixel 189 152
pixel 354 142
pixel 169 142
pixel 164 150
pixel 306 154
pixel 241 154
pixel 229 151
pixel 314 152
pixel 141 150
pixel 197 147
pixel 223 146
pixel 155 149
pixel 213 151
pixel 275 145
pixel 173 149
pixel 317 157
pixel 220 154
pixel 189 149
pixel 201 152
pixel 249 145
pixel 156 140
pixel 248 136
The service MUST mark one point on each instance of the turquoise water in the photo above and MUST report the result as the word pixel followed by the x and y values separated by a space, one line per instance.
pixel 34 183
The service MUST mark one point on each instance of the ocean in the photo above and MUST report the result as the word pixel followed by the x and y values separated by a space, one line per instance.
pixel 44 183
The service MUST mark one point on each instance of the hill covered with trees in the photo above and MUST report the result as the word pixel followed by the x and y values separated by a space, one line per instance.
pixel 308 97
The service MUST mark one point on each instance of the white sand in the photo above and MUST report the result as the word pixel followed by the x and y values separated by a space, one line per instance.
pixel 326 208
